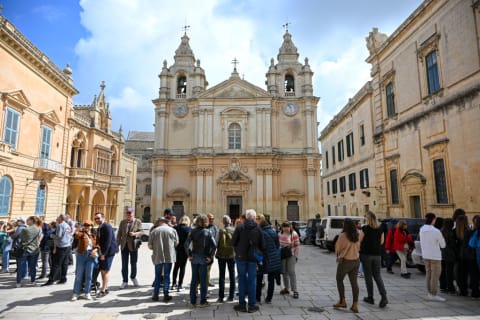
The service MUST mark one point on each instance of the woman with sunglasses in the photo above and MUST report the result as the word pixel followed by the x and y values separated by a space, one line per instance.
pixel 87 258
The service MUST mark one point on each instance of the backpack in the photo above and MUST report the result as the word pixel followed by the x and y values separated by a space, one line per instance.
pixel 225 249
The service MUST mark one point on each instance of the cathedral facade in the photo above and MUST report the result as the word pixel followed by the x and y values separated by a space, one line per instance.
pixel 236 146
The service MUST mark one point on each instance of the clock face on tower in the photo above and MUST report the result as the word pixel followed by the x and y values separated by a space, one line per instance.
pixel 290 108
pixel 180 110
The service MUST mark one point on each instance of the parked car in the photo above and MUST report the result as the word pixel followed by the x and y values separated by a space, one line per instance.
pixel 417 258
pixel 146 226
pixel 330 228
pixel 311 231
pixel 301 228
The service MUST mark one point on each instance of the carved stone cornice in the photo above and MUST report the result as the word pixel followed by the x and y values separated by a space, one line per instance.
pixel 310 171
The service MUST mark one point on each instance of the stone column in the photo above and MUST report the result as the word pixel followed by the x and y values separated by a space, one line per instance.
pixel 209 201
pixel 268 192
pixel 268 133
pixel 200 192
pixel 260 188
pixel 157 192
pixel 160 129
pixel 259 128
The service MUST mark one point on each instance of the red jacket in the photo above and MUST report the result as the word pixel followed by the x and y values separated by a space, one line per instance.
pixel 399 240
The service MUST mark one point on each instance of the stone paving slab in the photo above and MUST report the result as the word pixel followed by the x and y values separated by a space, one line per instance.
pixel 316 283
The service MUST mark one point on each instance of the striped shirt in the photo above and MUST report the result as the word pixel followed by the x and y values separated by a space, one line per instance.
pixel 292 240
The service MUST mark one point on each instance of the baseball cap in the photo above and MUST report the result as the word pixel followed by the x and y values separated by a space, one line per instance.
pixel 130 209
pixel 22 219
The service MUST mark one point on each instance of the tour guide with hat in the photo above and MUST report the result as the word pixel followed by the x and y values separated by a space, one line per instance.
pixel 130 228
pixel 86 259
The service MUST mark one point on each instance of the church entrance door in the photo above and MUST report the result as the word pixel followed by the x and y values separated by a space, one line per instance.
pixel 234 207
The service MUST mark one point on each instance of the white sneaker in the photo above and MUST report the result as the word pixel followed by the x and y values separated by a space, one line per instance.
pixel 429 297
pixel 135 282
pixel 19 285
pixel 438 298
pixel 88 296
pixel 123 285
pixel 75 297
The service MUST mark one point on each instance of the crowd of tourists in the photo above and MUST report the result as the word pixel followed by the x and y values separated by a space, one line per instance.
pixel 255 254
pixel 450 250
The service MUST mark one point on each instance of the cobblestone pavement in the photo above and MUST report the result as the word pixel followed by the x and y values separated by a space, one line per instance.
pixel 316 283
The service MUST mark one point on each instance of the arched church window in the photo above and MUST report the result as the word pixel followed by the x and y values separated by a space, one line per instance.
pixel 182 85
pixel 234 136
pixel 289 84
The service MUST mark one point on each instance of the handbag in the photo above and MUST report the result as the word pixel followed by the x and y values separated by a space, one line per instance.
pixel 137 243
pixel 285 252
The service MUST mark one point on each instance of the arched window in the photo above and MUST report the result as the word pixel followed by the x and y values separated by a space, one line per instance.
pixel 5 195
pixel 182 85
pixel 289 84
pixel 40 199
pixel 234 136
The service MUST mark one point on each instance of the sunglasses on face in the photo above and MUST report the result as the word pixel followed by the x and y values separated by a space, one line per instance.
pixel 97 218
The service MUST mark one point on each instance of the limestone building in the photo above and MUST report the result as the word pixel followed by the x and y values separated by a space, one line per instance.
pixel 235 145
pixel 101 177
pixel 425 112
pixel 55 157
pixel 348 166
pixel 139 144
pixel 36 99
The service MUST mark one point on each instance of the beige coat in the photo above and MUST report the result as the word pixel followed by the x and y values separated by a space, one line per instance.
pixel 163 240
pixel 123 238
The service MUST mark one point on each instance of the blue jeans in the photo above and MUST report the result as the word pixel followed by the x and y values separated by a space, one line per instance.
pixel 84 271
pixel 247 280
pixel 133 263
pixel 6 254
pixel 222 264
pixel 167 267
pixel 28 262
pixel 198 270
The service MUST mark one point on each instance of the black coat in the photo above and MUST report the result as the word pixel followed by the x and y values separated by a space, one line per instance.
pixel 271 256
pixel 106 240
pixel 247 237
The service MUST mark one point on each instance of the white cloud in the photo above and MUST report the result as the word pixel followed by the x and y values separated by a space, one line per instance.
pixel 129 40
pixel 129 98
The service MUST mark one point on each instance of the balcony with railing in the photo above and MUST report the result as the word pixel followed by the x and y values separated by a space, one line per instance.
pixel 5 151
pixel 48 165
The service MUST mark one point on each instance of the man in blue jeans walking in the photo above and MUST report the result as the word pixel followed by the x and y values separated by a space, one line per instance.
pixel 246 239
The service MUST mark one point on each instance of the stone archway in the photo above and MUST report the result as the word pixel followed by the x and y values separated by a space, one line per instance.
pixel 413 185
pixel 98 204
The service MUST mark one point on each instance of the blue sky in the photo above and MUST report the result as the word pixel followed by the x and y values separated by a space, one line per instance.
pixel 124 43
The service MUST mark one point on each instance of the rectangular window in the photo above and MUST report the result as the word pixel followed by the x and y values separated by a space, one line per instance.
pixel 46 141
pixel 390 95
pixel 12 122
pixel 103 162
pixel 340 151
pixel 148 189
pixel 350 149
pixel 352 181
pixel 364 179
pixel 362 135
pixel 394 186
pixel 432 72
pixel 329 210
pixel 343 185
pixel 440 181
pixel 333 154
pixel 326 158
pixel 334 186
pixel 328 188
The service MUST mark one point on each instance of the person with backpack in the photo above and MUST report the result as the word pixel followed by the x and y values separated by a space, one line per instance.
pixel 225 257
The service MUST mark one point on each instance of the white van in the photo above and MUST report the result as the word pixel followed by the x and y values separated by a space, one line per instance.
pixel 146 226
pixel 329 229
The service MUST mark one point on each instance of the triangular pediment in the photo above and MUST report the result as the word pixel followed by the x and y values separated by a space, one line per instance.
pixel 50 117
pixel 235 88
pixel 16 98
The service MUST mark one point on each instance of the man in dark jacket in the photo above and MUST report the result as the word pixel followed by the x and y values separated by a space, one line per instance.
pixel 108 248
pixel 246 239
